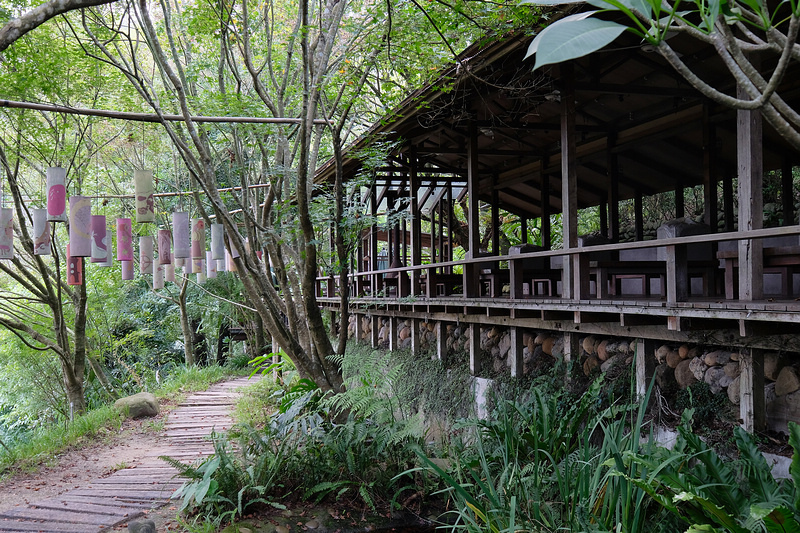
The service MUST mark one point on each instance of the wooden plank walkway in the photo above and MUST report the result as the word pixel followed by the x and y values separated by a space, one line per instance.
pixel 129 493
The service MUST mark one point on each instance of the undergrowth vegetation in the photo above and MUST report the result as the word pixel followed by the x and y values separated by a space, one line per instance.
pixel 555 454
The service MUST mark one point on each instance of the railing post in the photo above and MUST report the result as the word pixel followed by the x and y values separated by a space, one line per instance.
pixel 515 353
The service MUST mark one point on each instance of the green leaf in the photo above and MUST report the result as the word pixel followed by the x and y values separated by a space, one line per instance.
pixel 570 38
pixel 794 468
pixel 551 2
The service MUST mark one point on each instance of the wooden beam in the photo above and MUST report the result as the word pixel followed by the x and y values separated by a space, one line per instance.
pixel 495 218
pixel 475 349
pixel 441 341
pixel 709 169
pixel 638 215
pixel 545 220
pixel 515 353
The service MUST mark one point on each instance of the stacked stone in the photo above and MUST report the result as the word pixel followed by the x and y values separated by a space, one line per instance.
pixel 366 327
pixel 686 365
pixel 601 355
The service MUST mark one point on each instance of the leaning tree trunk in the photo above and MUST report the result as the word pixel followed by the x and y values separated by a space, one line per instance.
pixel 186 327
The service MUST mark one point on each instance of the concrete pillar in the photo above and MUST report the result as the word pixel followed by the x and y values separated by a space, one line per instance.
pixel 441 341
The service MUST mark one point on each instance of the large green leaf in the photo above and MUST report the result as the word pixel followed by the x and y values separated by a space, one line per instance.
pixel 572 37
pixel 794 469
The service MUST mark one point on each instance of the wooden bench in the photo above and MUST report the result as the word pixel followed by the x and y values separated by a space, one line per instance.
pixel 781 260
pixel 609 276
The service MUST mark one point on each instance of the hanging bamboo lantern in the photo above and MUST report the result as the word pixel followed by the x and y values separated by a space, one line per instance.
pixel 198 238
pixel 145 254
pixel 80 226
pixel 124 240
pixel 6 233
pixel 217 241
pixel 56 194
pixel 74 268
pixel 220 265
pixel 179 261
pixel 211 266
pixel 201 276
pixel 164 246
pixel 169 272
pixel 158 275
pixel 234 251
pixel 41 232
pixel 230 266
pixel 181 235
pixel 99 239
pixel 145 201
pixel 127 270
pixel 197 266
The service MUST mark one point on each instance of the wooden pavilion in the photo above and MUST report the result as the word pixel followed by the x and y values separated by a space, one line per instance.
pixel 602 132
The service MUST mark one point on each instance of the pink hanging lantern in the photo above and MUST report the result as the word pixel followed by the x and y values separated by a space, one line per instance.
pixel 217 241
pixel 164 246
pixel 6 233
pixel 99 239
pixel 179 261
pixel 80 226
pixel 198 238
pixel 158 275
pixel 74 268
pixel 181 234
pixel 211 266
pixel 127 270
pixel 56 194
pixel 169 272
pixel 41 232
pixel 124 240
pixel 145 201
pixel 145 254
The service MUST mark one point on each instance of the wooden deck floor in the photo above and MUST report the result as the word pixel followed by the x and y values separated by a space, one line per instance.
pixel 128 493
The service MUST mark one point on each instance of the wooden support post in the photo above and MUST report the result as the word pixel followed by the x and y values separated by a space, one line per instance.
pixel 451 220
pixel 515 353
pixel 677 274
pixel 359 329
pixel 680 201
pixel 473 189
pixel 727 204
pixel 645 365
pixel 416 220
pixel 475 349
pixel 373 241
pixel 393 337
pixel 752 410
pixel 613 187
pixel 523 230
pixel 572 351
pixel 709 170
pixel 441 341
pixel 435 258
pixel 787 192
pixel 415 336
pixel 638 215
pixel 375 329
pixel 569 185
pixel 545 220
pixel 603 213
pixel 749 157
pixel 495 217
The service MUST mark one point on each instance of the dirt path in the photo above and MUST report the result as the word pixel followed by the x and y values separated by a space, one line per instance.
pixel 108 484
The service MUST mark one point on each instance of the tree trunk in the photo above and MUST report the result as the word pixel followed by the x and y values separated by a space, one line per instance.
pixel 186 328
